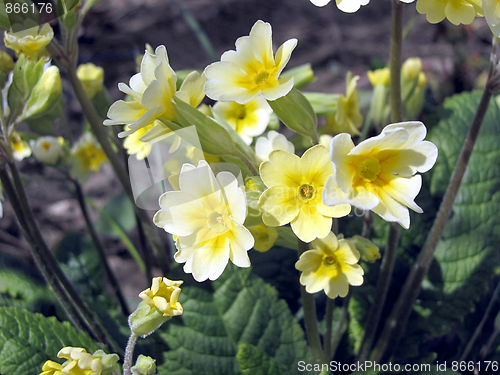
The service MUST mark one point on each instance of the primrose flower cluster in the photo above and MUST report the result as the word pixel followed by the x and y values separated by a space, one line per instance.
pixel 456 11
pixel 211 216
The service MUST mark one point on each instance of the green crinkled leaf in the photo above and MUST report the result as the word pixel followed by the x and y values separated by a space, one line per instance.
pixel 27 340
pixel 241 310
pixel 467 255
pixel 253 361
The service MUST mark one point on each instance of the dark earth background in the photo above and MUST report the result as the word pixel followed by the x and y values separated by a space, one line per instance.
pixel 116 31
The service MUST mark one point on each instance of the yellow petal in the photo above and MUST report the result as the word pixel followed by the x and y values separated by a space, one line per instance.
pixel 282 169
pixel 310 224
pixel 280 203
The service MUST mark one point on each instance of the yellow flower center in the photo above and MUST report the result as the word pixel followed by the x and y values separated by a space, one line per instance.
pixel 306 191
pixel 329 261
pixel 241 114
pixel 216 222
pixel 261 77
pixel 369 169
pixel 46 145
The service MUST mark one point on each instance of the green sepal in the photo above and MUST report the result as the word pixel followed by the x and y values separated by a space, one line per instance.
pixel 295 111
pixel 214 139
pixel 146 319
pixel 302 75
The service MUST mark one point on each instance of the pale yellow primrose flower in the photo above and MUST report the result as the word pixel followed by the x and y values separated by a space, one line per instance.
pixel 48 149
pixel 274 141
pixel 92 78
pixel 20 149
pixel 52 368
pixel 249 120
pixel 152 91
pixel 135 146
pixel 379 174
pixel 348 118
pixel 163 295
pixel 86 157
pixel 207 216
pixel 350 6
pixel 79 362
pixel 294 193
pixel 379 76
pixel 331 267
pixel 456 11
pixel 492 15
pixel 31 41
pixel 252 69
pixel 369 252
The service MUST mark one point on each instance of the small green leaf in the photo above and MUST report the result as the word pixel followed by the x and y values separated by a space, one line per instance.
pixel 302 75
pixel 27 340
pixel 253 361
pixel 323 104
pixel 295 111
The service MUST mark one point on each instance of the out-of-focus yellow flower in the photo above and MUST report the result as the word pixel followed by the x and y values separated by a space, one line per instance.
pixel 152 91
pixel 492 15
pixel 249 120
pixel 348 118
pixel 274 141
pixel 207 216
pixel 456 11
pixel 294 193
pixel 413 82
pixel 86 157
pixel 92 78
pixel 48 149
pixel 20 149
pixel 163 295
pixel 31 41
pixel 6 62
pixel 252 69
pixel 331 266
pixel 134 145
pixel 379 174
pixel 379 76
pixel 379 107
pixel 264 236
pixel 369 252
pixel 350 6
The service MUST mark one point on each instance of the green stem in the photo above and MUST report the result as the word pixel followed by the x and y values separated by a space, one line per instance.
pixel 129 354
pixel 399 316
pixel 310 318
pixel 98 244
pixel 381 290
pixel 341 324
pixel 480 326
pixel 48 260
pixel 50 277
pixel 330 306
pixel 387 266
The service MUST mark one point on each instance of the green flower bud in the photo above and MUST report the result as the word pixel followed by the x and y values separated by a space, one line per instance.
pixel 146 319
pixel 144 366
pixel 379 106
pixel 368 251
pixel 91 77
pixel 46 93
pixel 108 362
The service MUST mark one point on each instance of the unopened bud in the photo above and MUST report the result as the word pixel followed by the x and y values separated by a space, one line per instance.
pixel 144 366
pixel 92 78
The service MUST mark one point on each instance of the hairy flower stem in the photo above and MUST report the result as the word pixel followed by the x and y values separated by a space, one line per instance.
pixel 75 307
pixel 100 248
pixel 129 354
pixel 399 316
pixel 389 259
pixel 310 318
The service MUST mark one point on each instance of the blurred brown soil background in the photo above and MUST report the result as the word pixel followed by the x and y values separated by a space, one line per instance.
pixel 116 31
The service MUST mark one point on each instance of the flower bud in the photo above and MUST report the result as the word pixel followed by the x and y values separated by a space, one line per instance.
pixel 264 236
pixel 6 66
pixel 380 79
pixel 368 251
pixel 31 40
pixel 46 93
pixel 159 304
pixel 91 77
pixel 108 362
pixel 48 149
pixel 144 366
pixel 410 72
